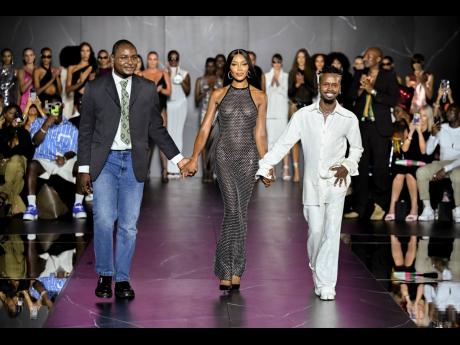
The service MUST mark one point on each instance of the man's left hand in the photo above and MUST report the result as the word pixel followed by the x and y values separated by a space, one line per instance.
pixel 341 175
pixel 183 162
pixel 60 160
pixel 439 175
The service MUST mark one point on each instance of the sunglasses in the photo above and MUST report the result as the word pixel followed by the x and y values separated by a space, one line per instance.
pixel 47 56
pixel 173 59
pixel 386 64
pixel 102 57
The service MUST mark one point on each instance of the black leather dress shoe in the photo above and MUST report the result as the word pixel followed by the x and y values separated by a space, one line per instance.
pixel 104 287
pixel 124 290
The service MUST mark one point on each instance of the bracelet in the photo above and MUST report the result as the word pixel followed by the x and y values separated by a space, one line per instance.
pixel 42 130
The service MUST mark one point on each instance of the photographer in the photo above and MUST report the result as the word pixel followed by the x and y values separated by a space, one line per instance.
pixel 32 110
pixel 56 140
pixel 15 148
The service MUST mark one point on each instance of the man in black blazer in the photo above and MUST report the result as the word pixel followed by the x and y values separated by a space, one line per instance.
pixel 120 113
pixel 374 91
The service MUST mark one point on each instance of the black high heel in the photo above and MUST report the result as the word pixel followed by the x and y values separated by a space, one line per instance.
pixel 223 287
pixel 236 286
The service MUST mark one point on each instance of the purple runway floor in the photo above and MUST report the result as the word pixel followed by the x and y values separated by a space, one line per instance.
pixel 172 271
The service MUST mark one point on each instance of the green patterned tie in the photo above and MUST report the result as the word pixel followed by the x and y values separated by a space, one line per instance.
pixel 125 135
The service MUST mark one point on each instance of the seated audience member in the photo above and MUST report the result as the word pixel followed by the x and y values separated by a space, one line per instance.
pixel 15 149
pixel 447 135
pixel 56 140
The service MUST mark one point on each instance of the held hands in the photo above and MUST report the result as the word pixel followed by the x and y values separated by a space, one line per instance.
pixel 189 167
pixel 341 175
pixel 268 181
pixel 439 175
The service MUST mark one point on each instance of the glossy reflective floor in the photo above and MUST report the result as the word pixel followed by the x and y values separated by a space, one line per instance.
pixel 173 277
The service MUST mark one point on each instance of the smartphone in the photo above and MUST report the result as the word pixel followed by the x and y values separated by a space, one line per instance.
pixel 445 84
pixel 416 119
pixel 33 94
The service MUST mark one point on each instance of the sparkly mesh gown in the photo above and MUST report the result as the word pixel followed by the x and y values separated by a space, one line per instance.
pixel 236 162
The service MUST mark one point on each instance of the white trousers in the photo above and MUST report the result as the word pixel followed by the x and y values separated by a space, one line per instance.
pixel 177 114
pixel 324 223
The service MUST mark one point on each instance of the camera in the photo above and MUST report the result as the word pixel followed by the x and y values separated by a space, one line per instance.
pixel 18 117
pixel 54 108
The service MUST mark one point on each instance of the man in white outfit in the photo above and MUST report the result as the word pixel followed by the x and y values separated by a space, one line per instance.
pixel 324 128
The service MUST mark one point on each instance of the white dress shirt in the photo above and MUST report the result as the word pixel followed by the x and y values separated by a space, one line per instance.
pixel 448 139
pixel 118 144
pixel 324 143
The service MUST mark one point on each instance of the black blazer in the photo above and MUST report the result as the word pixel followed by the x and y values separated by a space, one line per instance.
pixel 387 89
pixel 100 116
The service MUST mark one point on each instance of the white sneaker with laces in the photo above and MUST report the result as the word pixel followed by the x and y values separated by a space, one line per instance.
pixel 427 215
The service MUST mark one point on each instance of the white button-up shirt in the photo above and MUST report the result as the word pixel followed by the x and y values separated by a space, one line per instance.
pixel 324 143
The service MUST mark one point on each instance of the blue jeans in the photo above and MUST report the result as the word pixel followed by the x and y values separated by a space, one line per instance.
pixel 117 196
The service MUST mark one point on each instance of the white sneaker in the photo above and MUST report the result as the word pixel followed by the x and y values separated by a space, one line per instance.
pixel 456 215
pixel 31 237
pixel 427 215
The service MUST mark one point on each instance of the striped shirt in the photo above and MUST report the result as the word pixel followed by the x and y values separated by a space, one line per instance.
pixel 58 140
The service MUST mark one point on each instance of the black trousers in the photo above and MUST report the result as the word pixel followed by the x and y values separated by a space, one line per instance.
pixel 376 153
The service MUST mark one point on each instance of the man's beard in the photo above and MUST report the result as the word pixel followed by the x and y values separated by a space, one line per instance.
pixel 328 101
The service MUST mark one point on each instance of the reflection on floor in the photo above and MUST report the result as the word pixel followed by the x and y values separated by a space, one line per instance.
pixel 173 269
pixel 418 263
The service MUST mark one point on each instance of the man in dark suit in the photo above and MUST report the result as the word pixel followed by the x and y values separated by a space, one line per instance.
pixel 120 113
pixel 374 91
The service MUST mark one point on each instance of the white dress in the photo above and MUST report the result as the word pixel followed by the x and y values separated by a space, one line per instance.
pixel 177 113
pixel 67 100
pixel 278 106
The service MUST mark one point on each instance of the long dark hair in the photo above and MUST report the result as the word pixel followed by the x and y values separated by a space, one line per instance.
pixel 308 71
pixel 252 80
pixel 92 58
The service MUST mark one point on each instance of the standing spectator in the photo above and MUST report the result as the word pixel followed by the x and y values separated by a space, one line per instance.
pixel 374 92
pixel 25 76
pixel 301 91
pixel 177 105
pixel 103 61
pixel 422 83
pixel 47 80
pixel 8 75
pixel 277 106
